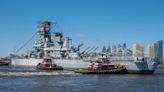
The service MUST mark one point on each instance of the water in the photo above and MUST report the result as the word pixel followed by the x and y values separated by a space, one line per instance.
pixel 17 79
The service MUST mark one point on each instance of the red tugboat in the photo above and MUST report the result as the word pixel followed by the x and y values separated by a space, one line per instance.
pixel 47 64
pixel 4 63
pixel 103 68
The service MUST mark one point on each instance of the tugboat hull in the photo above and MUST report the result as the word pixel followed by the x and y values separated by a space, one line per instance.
pixel 50 68
pixel 4 63
pixel 112 71
pixel 47 64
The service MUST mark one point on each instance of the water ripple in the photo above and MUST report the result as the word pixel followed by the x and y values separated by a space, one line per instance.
pixel 36 73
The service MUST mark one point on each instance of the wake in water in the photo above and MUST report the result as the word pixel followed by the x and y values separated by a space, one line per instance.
pixel 23 71
pixel 36 73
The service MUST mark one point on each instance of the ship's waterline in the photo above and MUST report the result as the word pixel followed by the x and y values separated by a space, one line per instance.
pixel 131 66
pixel 144 67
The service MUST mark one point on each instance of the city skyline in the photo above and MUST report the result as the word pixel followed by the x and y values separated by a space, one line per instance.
pixel 94 22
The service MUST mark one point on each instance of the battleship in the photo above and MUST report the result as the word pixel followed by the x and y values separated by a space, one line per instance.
pixel 61 49
pixel 69 56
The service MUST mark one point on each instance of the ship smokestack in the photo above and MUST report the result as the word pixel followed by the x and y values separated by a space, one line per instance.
pixel 58 37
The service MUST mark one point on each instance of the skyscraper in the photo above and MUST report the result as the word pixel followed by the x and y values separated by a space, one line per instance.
pixel 109 49
pixel 104 49
pixel 159 50
pixel 138 50
pixel 114 49
pixel 151 51
pixel 119 48
pixel 124 46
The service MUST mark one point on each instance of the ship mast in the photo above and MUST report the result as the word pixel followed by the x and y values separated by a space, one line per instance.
pixel 45 34
pixel 44 41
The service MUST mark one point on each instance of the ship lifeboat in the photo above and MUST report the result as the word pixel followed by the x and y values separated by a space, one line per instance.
pixel 47 64
pixel 103 68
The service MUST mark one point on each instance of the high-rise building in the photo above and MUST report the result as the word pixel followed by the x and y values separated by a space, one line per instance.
pixel 114 49
pixel 151 51
pixel 109 49
pixel 159 50
pixel 138 50
pixel 119 48
pixel 124 46
pixel 104 49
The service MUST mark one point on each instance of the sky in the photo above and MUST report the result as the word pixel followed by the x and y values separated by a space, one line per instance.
pixel 92 22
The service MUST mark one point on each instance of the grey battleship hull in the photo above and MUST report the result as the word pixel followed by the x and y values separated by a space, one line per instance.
pixel 142 67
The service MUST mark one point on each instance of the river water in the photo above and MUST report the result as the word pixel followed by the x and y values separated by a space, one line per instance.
pixel 17 79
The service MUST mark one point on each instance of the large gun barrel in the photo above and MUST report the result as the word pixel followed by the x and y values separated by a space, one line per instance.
pixel 89 50
pixel 85 50
pixel 93 50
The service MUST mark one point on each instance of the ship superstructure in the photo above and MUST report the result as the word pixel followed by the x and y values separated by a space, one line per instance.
pixel 60 49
